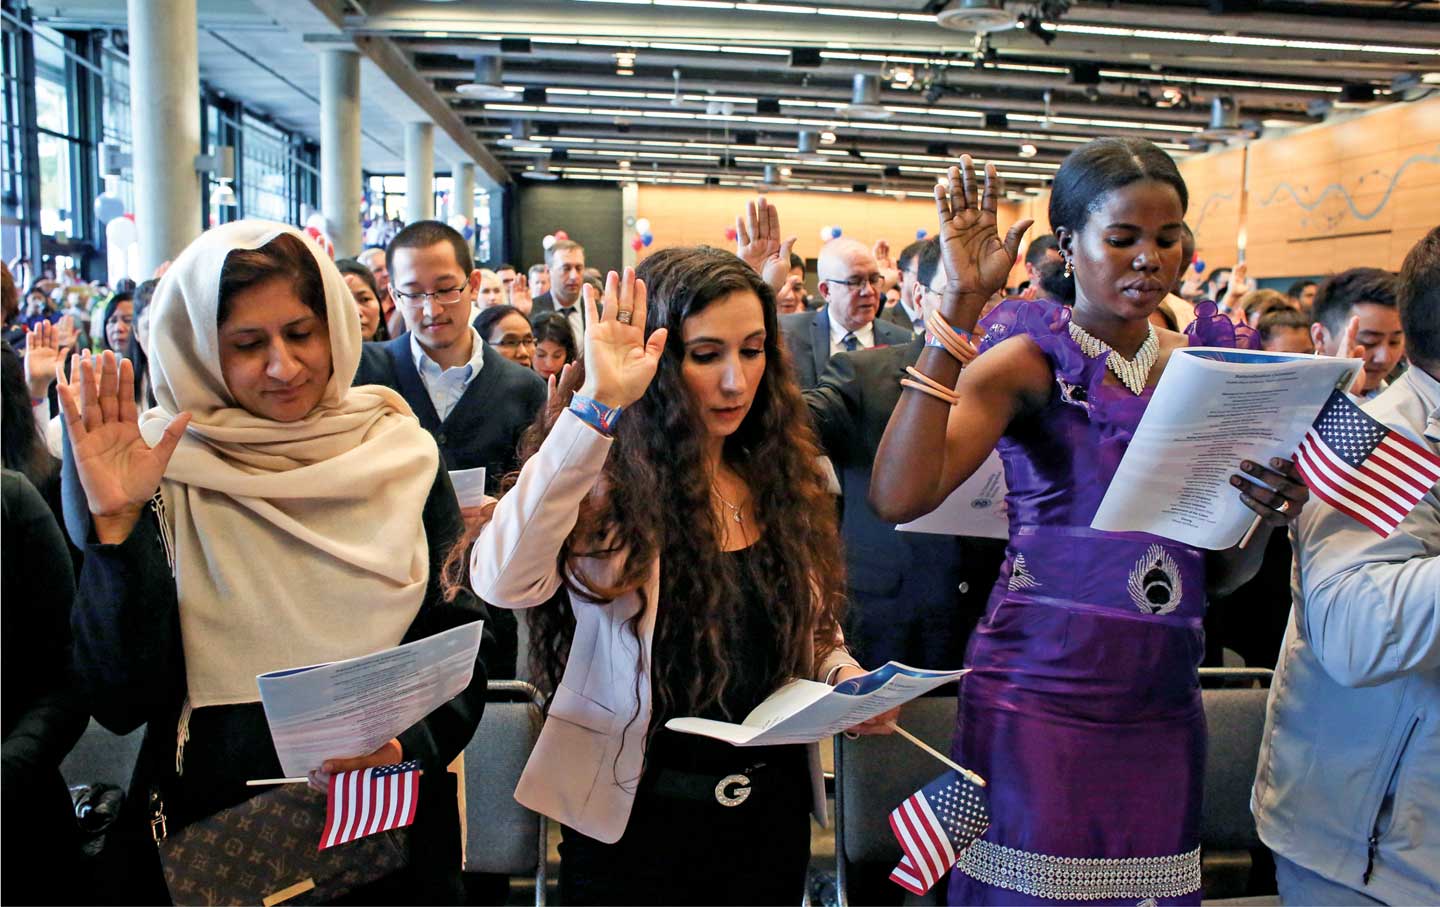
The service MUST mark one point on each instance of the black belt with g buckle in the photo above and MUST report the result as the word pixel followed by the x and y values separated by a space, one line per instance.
pixel 727 790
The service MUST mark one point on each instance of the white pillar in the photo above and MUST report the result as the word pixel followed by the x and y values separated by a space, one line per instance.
pixel 462 190
pixel 341 189
pixel 164 127
pixel 419 172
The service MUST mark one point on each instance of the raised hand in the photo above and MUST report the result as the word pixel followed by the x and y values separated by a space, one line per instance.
pixel 118 470
pixel 1240 284
pixel 977 262
pixel 1349 349
pixel 881 251
pixel 45 352
pixel 758 243
pixel 619 361
pixel 520 295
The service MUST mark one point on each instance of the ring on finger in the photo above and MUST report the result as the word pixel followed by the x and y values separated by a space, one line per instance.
pixel 1284 508
pixel 624 316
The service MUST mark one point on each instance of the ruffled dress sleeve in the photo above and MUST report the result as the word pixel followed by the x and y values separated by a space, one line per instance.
pixel 1211 328
pixel 1047 323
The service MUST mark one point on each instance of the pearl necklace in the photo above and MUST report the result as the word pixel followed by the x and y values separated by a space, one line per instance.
pixel 1131 372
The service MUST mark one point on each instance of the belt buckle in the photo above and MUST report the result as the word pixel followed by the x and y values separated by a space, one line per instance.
pixel 741 783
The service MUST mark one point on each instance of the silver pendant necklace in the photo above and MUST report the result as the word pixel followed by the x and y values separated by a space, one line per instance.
pixel 734 508
pixel 1131 372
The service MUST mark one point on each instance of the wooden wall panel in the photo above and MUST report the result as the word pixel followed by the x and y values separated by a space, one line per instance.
pixel 1215 182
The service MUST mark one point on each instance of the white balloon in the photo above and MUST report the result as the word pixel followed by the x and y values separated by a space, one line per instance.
pixel 548 241
pixel 642 226
pixel 459 222
pixel 825 233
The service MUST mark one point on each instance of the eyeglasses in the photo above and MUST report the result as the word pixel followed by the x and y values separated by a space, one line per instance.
pixel 858 283
pixel 440 297
pixel 510 341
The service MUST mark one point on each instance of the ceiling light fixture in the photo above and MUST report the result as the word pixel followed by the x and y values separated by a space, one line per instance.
pixel 865 99
pixel 975 16
pixel 488 84
pixel 1028 150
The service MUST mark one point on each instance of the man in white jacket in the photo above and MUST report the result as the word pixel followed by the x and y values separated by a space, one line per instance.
pixel 1348 789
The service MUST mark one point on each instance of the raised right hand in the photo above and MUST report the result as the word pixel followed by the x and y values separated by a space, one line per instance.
pixel 977 262
pixel 44 353
pixel 619 361
pixel 118 470
pixel 758 243
pixel 1349 349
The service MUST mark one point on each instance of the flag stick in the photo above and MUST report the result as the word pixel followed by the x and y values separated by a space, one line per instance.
pixel 938 755
pixel 1250 533
pixel 261 782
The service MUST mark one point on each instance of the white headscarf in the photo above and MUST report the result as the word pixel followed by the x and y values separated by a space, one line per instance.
pixel 295 543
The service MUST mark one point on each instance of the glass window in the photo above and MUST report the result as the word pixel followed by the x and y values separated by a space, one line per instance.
pixel 57 136
pixel 265 171
pixel 115 120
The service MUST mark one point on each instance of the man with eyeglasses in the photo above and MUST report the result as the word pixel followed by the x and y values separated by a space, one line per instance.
pixel 850 282
pixel 472 399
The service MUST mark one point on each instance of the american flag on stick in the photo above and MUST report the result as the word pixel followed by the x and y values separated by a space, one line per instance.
pixel 1363 469
pixel 934 826
pixel 369 801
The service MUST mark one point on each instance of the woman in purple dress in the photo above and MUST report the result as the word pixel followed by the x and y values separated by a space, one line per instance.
pixel 1083 706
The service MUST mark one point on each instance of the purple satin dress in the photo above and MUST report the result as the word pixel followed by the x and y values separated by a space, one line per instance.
pixel 1082 708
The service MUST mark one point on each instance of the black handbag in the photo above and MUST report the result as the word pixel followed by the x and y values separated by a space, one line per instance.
pixel 266 851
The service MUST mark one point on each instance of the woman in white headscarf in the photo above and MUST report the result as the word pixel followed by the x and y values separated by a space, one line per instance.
pixel 263 515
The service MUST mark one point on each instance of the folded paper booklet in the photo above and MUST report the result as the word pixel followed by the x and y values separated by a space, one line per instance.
pixel 975 509
pixel 804 711
pixel 349 708
pixel 1213 408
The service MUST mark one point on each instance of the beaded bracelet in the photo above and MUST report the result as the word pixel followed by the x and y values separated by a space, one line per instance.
pixel 927 385
pixel 597 415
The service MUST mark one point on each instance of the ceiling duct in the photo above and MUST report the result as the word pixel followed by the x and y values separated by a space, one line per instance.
pixel 541 171
pixel 978 16
pixel 774 182
pixel 487 85
pixel 865 99
pixel 1224 121
pixel 807 147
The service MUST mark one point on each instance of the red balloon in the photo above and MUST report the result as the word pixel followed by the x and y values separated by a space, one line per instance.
pixel 561 234
pixel 637 243
pixel 730 233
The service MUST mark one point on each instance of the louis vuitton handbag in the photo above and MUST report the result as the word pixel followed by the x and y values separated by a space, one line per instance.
pixel 265 851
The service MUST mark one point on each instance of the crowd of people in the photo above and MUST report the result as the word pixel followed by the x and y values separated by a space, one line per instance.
pixel 694 474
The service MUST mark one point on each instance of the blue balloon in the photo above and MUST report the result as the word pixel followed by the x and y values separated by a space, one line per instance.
pixel 838 232
pixel 647 239
pixel 921 234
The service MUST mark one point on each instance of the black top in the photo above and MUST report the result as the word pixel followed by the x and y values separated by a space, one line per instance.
pixel 43 715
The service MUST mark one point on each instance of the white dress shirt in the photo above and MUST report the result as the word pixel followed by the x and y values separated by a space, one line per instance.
pixel 865 336
pixel 575 316
pixel 446 385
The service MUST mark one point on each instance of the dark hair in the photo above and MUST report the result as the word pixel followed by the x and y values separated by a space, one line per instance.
pixel 554 327
pixel 1054 282
pixel 1299 287
pixel 1040 248
pixel 1281 319
pixel 426 233
pixel 1101 166
pixel 490 316
pixel 1215 275
pixel 908 254
pixel 796 262
pixel 1419 300
pixel 1342 292
pixel 286 256
pixel 144 295
pixel 654 501
pixel 111 305
pixel 505 266
pixel 354 268
pixel 23 446
pixel 1187 247
pixel 8 293
pixel 928 263
pixel 1263 301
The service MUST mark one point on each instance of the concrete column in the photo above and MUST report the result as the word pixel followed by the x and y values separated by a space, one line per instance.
pixel 341 188
pixel 164 127
pixel 419 172
pixel 462 190
pixel 629 211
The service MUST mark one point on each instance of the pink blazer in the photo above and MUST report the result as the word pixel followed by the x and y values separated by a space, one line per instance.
pixel 587 763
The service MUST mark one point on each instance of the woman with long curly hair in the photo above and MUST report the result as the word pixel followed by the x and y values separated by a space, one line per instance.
pixel 677 503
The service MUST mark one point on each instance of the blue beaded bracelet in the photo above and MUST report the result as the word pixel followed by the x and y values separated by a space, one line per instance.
pixel 597 415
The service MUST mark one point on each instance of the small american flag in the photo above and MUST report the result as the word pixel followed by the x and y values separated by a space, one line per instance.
pixel 934 826
pixel 1363 469
pixel 369 801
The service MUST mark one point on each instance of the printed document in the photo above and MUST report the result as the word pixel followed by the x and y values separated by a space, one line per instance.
pixel 804 711
pixel 975 509
pixel 349 708
pixel 1212 408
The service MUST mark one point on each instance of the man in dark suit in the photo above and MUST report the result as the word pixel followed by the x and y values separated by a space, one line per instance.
pixel 473 400
pixel 849 282
pixel 914 597
pixel 566 264
pixel 902 314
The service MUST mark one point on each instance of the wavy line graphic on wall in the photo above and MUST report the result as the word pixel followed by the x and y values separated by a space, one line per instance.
pixel 1330 221
pixel 1212 201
